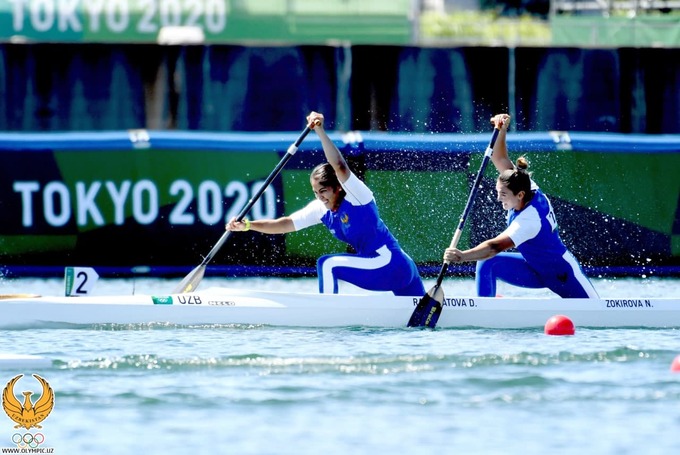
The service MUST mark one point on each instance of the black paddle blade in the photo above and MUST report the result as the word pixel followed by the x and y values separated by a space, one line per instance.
pixel 426 313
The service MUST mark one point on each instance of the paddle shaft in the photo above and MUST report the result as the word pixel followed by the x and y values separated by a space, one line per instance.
pixel 426 313
pixel 191 281
pixel 289 154
pixel 470 202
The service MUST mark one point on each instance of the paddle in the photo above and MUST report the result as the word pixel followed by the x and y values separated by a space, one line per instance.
pixel 192 280
pixel 18 296
pixel 426 313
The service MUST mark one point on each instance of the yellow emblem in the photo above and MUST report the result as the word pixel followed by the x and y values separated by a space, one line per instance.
pixel 344 218
pixel 28 414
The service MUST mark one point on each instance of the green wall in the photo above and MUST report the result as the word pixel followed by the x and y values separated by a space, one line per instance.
pixel 109 199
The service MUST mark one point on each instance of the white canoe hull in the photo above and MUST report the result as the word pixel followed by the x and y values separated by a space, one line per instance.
pixel 238 306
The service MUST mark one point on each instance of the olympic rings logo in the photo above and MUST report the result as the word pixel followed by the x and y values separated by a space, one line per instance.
pixel 28 440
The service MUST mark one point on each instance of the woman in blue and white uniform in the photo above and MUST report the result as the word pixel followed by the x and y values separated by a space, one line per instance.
pixel 346 206
pixel 543 261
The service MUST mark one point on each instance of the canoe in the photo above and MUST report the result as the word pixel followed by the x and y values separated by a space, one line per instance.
pixel 221 305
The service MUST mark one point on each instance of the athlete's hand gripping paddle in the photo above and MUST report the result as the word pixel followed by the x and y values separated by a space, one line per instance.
pixel 426 313
pixel 192 280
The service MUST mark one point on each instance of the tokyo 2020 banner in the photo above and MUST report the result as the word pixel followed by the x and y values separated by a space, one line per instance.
pixel 216 21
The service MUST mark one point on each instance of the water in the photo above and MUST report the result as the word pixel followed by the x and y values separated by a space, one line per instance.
pixel 353 390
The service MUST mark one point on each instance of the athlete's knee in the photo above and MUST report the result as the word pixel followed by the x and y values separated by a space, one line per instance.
pixel 485 266
pixel 485 280
pixel 320 262
pixel 328 282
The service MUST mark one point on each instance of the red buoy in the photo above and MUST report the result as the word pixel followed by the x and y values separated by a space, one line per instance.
pixel 559 325
pixel 675 365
